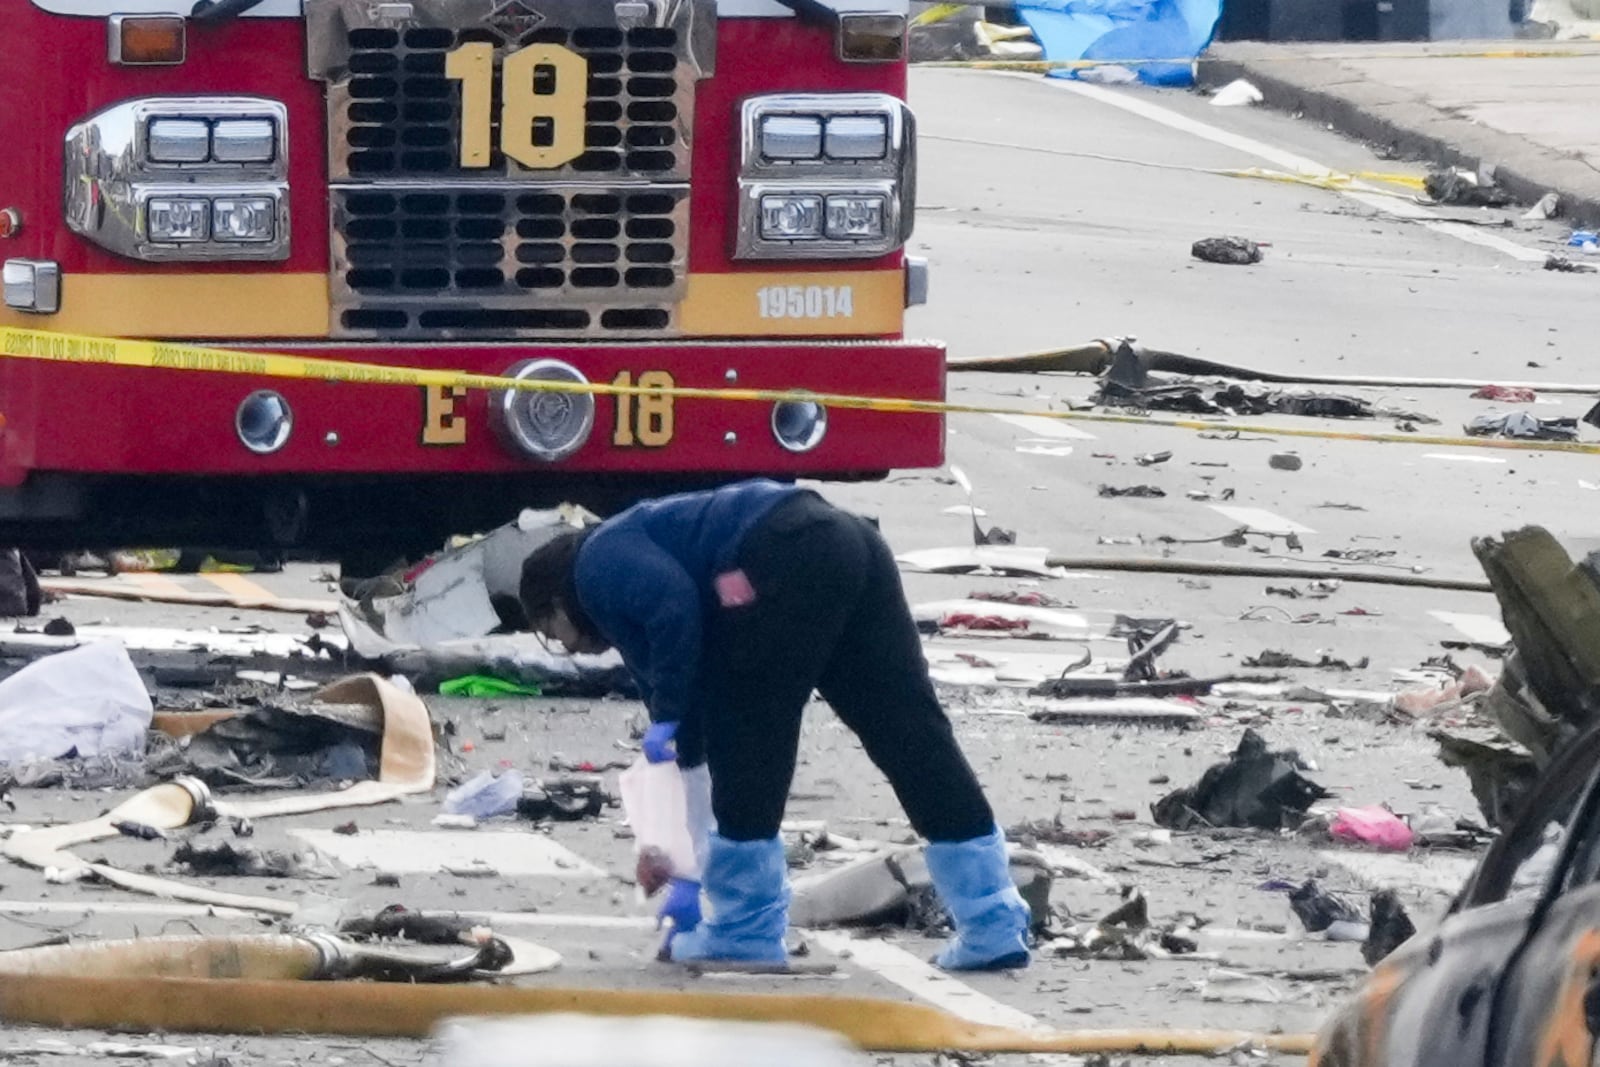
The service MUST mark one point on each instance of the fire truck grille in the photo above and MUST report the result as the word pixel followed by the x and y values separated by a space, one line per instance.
pixel 446 262
pixel 401 117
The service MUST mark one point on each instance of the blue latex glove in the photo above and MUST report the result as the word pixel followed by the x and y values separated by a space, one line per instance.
pixel 657 743
pixel 682 906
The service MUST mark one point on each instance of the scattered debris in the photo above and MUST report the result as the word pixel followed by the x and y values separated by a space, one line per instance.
pixel 1464 188
pixel 1052 832
pixel 567 799
pixel 1510 394
pixel 139 830
pixel 1548 207
pixel 1133 490
pixel 958 621
pixel 1318 910
pixel 228 860
pixel 1376 826
pixel 1030 598
pixel 1285 461
pixel 1233 251
pixel 1391 927
pixel 1150 459
pixel 1431 699
pixel 85 702
pixel 1254 788
pixel 1522 426
pixel 484 685
pixel 1237 93
pixel 1125 933
pixel 1563 265
pixel 486 795
pixel 1276 660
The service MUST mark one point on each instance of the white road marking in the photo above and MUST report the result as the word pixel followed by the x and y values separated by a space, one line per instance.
pixel 1435 871
pixel 1362 193
pixel 200 911
pixel 1044 450
pixel 1261 519
pixel 1480 629
pixel 1462 457
pixel 963 509
pixel 429 852
pixel 1040 426
pixel 938 988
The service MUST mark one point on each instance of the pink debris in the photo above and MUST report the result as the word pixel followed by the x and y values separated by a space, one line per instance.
pixel 1511 394
pixel 1422 701
pixel 1378 827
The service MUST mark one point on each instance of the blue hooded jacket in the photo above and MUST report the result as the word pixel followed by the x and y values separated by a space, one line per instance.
pixel 645 578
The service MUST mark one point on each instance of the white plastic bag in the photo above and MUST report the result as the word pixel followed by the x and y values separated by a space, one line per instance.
pixel 655 800
pixel 89 698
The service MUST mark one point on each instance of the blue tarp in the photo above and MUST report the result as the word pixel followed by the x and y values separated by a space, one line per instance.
pixel 1125 30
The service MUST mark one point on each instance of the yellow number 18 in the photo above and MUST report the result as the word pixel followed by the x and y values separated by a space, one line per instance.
pixel 522 104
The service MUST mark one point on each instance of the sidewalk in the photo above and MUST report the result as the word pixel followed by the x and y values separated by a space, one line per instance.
pixel 1537 119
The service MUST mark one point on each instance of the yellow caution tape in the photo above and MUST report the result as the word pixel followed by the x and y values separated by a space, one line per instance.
pixel 166 355
pixel 938 13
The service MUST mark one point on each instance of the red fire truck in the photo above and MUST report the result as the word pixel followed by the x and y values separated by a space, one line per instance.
pixel 646 193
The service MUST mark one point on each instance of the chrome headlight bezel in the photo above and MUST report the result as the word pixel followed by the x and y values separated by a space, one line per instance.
pixel 113 172
pixel 857 169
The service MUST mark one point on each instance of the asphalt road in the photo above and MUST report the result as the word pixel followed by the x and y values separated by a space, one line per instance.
pixel 1034 246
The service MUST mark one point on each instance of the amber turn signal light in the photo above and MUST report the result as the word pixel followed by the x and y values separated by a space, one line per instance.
pixel 146 40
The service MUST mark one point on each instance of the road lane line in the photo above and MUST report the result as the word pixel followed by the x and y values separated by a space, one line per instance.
pixel 1479 629
pixel 895 964
pixel 154 584
pixel 1044 450
pixel 508 853
pixel 199 911
pixel 1462 457
pixel 1040 426
pixel 240 586
pixel 1388 205
pixel 1261 520
pixel 1433 872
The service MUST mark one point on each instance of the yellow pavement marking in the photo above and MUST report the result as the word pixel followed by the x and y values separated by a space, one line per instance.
pixel 240 586
pixel 154 584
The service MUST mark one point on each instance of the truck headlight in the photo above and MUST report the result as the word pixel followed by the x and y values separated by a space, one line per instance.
pixel 182 179
pixel 244 141
pixel 178 141
pixel 174 220
pixel 857 137
pixel 244 218
pixel 855 218
pixel 791 218
pixel 825 176
pixel 791 137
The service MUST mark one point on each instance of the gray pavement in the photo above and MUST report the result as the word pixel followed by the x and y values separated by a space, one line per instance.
pixel 1527 107
pixel 1037 246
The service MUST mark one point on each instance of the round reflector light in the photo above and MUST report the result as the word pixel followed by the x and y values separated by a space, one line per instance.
pixel 264 422
pixel 799 425
pixel 547 426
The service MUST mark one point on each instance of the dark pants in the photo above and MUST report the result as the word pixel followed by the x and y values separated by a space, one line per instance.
pixel 829 615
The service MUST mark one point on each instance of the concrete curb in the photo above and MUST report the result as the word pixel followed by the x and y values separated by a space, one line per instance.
pixel 1325 90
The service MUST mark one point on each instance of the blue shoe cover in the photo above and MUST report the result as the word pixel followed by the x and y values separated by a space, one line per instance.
pixel 747 885
pixel 991 919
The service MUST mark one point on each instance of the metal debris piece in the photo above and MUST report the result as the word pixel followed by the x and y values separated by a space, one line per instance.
pixel 1233 251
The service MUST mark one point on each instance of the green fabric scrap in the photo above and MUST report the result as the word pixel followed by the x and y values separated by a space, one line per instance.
pixel 483 685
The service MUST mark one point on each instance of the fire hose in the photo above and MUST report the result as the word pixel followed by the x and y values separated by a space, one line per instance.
pixel 267 985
